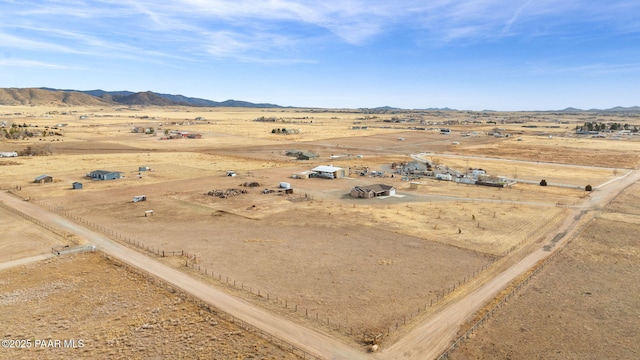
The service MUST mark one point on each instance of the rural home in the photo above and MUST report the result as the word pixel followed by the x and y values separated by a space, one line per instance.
pixel 329 172
pixel 371 191
pixel 76 186
pixel 43 179
pixel 104 175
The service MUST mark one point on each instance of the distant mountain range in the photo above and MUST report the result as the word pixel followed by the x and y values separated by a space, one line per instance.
pixel 62 97
pixel 67 97
pixel 613 109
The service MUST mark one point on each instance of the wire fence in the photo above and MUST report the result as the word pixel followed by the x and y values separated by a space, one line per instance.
pixel 283 344
pixel 515 287
pixel 109 232
pixel 332 322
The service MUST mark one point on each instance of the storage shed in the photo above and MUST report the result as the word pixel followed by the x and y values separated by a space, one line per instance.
pixel 76 185
pixel 43 179
pixel 307 155
pixel 329 172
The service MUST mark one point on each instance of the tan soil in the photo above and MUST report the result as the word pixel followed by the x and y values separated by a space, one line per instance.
pixel 365 264
pixel 584 305
pixel 117 314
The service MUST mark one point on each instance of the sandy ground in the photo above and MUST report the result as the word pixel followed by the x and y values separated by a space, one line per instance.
pixel 364 264
pixel 584 305
pixel 115 314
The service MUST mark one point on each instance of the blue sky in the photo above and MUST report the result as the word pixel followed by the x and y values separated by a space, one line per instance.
pixel 465 54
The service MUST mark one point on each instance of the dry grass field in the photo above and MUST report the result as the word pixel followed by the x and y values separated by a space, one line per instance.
pixel 21 238
pixel 584 305
pixel 115 313
pixel 364 264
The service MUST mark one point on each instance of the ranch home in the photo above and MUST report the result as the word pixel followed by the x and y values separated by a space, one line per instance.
pixel 371 191
pixel 104 175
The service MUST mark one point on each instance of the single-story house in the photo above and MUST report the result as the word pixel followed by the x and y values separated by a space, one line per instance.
pixel 76 185
pixel 446 177
pixel 104 175
pixel 329 172
pixel 43 179
pixel 371 191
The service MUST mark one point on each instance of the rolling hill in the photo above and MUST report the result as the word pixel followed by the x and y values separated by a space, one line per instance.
pixel 59 97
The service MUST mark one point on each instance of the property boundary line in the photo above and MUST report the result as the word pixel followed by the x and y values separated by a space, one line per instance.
pixel 283 344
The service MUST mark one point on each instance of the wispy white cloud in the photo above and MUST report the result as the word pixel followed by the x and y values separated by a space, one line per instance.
pixel 274 30
pixel 20 42
pixel 30 64
pixel 584 70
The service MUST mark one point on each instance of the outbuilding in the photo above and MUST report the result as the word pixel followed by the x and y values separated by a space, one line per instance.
pixel 307 155
pixel 76 185
pixel 43 179
pixel 329 172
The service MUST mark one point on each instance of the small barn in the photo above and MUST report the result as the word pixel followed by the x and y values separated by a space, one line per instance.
pixel 43 179
pixel 328 172
pixel 76 185
pixel 307 155
pixel 371 191
pixel 104 175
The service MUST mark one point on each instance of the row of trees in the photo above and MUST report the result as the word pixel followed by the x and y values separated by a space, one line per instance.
pixel 596 126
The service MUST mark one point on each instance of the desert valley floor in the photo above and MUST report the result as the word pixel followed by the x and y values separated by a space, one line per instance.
pixel 228 201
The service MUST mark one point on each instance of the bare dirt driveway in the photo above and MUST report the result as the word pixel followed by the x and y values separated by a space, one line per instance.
pixel 431 338
pixel 297 335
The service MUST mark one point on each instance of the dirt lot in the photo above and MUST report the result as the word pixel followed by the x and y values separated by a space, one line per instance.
pixel 584 305
pixel 364 264
pixel 21 238
pixel 117 315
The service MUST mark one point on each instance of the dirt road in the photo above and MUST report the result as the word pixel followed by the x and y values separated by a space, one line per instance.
pixel 24 261
pixel 426 341
pixel 310 340
pixel 430 339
